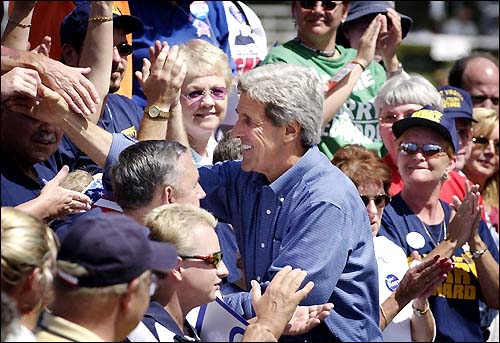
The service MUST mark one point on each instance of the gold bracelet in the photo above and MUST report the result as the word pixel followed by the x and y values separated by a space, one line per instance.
pixel 21 25
pixel 419 312
pixel 383 315
pixel 100 19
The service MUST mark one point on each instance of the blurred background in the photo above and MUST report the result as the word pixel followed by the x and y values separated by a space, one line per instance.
pixel 442 31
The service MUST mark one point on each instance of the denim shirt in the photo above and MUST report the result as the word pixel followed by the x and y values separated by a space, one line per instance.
pixel 312 218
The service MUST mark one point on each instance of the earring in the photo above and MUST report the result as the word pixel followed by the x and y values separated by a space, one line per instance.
pixel 445 176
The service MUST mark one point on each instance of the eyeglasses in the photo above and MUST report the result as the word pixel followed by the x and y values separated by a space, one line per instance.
pixel 213 259
pixel 428 150
pixel 124 49
pixel 217 93
pixel 479 99
pixel 380 200
pixel 327 5
pixel 389 119
pixel 484 142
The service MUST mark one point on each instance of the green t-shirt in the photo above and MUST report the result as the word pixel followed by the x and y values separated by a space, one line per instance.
pixel 356 121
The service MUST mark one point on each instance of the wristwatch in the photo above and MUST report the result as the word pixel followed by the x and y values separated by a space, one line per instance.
pixel 478 253
pixel 154 112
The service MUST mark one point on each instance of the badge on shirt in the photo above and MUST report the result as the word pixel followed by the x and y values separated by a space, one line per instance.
pixel 392 282
pixel 199 9
pixel 415 240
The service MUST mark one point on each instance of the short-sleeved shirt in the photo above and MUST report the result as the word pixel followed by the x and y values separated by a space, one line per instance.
pixel 57 329
pixel 356 121
pixel 312 218
pixel 455 304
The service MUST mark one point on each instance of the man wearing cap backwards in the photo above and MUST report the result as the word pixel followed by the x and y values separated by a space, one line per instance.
pixel 104 280
pixel 416 219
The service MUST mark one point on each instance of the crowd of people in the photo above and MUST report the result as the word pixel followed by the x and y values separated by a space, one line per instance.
pixel 313 192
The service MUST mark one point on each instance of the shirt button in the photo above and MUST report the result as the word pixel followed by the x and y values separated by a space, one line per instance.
pixel 258 278
pixel 282 199
pixel 268 211
pixel 262 245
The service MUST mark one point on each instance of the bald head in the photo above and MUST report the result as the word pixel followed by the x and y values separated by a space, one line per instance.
pixel 478 75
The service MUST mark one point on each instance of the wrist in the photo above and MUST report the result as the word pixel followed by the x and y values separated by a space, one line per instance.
pixel 421 312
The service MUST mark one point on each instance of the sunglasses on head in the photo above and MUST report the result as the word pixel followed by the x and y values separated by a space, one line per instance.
pixel 327 5
pixel 124 49
pixel 213 259
pixel 484 142
pixel 380 200
pixel 428 150
pixel 217 93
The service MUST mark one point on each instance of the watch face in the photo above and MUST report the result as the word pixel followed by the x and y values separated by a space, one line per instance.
pixel 154 111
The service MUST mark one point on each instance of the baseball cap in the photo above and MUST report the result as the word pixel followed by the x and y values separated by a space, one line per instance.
pixel 114 249
pixel 74 25
pixel 358 9
pixel 431 117
pixel 457 102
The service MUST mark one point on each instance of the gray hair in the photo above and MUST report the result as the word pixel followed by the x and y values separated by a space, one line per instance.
pixel 407 89
pixel 142 169
pixel 289 93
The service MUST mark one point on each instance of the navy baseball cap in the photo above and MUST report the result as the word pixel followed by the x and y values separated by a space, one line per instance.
pixel 74 25
pixel 457 102
pixel 114 249
pixel 359 9
pixel 431 117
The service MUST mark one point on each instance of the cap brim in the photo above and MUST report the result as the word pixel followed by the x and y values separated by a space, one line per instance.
pixel 164 256
pixel 130 24
pixel 399 127
pixel 454 115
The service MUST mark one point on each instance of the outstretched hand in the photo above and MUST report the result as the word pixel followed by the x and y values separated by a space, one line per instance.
pixel 306 318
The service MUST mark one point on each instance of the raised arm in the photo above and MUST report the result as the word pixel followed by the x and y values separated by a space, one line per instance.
pixel 69 82
pixel 97 50
pixel 18 26
pixel 338 94
pixel 161 79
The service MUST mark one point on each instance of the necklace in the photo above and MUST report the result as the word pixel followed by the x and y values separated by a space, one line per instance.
pixel 441 230
pixel 325 53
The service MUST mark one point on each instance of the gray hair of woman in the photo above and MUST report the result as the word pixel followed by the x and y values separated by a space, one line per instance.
pixel 407 89
pixel 289 93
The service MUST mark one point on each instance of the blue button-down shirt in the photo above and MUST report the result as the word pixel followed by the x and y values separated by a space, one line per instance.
pixel 312 218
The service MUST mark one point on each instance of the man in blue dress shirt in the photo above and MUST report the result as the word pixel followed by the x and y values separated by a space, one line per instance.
pixel 287 203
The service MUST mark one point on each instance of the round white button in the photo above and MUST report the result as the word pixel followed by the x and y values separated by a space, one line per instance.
pixel 258 278
pixel 262 245
pixel 268 211
pixel 282 199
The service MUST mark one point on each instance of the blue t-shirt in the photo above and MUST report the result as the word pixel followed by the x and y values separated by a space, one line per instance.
pixel 455 304
pixel 312 218
pixel 17 187
pixel 177 24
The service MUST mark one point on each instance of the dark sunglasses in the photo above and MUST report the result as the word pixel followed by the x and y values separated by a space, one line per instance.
pixel 380 200
pixel 484 142
pixel 213 259
pixel 327 5
pixel 124 49
pixel 479 99
pixel 217 93
pixel 428 150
